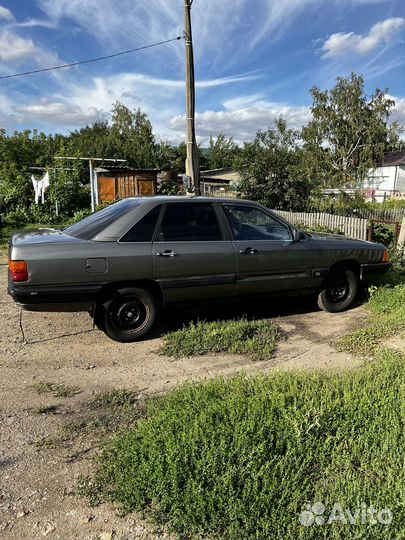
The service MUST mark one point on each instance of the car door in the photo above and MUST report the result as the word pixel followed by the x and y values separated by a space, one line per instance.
pixel 191 256
pixel 268 259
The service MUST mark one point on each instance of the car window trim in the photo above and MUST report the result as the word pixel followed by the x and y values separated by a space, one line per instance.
pixel 265 211
pixel 156 238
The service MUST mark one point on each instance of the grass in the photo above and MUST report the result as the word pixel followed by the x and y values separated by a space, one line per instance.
pixel 57 390
pixel 387 309
pixel 257 339
pixel 241 457
pixel 116 398
pixel 46 409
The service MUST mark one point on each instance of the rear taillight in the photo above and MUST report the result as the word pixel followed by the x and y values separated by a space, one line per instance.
pixel 386 256
pixel 18 270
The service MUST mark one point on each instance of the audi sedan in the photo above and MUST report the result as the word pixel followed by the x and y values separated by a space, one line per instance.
pixel 124 263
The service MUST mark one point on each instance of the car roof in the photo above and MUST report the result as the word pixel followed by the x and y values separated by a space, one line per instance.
pixel 184 198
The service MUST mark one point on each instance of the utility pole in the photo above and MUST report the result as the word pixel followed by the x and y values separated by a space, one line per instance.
pixel 192 162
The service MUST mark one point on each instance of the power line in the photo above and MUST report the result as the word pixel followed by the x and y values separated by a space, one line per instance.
pixel 91 60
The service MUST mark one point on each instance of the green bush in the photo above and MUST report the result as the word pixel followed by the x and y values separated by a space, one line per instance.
pixel 170 188
pixel 383 234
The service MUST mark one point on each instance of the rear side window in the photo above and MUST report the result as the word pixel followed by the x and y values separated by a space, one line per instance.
pixel 91 226
pixel 144 229
pixel 190 222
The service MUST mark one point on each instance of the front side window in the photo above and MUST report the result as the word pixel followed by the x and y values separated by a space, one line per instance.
pixel 251 223
pixel 189 222
pixel 144 229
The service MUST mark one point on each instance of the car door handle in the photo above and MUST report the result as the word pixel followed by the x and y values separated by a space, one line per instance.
pixel 167 253
pixel 248 251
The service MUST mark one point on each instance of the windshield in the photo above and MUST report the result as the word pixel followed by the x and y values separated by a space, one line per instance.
pixel 89 227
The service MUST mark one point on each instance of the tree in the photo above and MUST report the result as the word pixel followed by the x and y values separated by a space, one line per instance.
pixel 67 190
pixel 166 156
pixel 91 141
pixel 349 132
pixel 271 169
pixel 131 137
pixel 18 152
pixel 222 152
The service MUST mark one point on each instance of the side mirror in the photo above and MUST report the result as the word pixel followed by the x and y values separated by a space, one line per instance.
pixel 298 235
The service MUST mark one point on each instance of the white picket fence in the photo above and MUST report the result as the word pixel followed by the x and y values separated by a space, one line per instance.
pixel 350 226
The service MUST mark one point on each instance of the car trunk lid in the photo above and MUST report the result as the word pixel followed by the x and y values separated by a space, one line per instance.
pixel 41 236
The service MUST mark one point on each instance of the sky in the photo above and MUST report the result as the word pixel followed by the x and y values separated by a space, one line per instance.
pixel 255 60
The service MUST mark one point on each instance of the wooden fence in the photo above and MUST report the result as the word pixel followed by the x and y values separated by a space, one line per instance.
pixel 350 226
pixel 389 214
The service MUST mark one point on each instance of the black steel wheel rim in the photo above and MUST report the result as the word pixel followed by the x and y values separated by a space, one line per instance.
pixel 128 314
pixel 338 291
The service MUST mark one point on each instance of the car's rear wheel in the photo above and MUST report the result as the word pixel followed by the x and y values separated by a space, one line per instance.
pixel 129 314
pixel 339 290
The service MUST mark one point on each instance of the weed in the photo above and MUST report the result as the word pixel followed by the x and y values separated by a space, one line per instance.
pixel 57 390
pixel 46 409
pixel 116 398
pixel 50 443
pixel 255 338
pixel 82 427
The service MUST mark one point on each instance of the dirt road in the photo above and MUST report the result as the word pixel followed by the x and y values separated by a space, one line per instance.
pixel 38 479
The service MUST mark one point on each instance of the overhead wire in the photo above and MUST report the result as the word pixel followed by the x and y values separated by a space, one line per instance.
pixel 98 59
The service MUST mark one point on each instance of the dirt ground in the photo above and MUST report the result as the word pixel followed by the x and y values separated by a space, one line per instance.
pixel 38 482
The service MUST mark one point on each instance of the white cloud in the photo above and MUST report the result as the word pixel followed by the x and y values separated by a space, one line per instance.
pixel 58 113
pixel 224 31
pixel 239 102
pixel 6 14
pixel 398 114
pixel 138 90
pixel 14 48
pixel 243 123
pixel 132 80
pixel 382 33
pixel 31 23
pixel 77 103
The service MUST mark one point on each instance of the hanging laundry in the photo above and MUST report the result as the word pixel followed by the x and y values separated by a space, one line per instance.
pixel 37 188
pixel 45 185
pixel 40 186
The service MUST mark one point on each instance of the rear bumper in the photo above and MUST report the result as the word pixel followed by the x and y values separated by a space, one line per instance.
pixel 371 271
pixel 56 298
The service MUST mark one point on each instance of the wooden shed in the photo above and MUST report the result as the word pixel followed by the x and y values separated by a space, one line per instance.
pixel 114 183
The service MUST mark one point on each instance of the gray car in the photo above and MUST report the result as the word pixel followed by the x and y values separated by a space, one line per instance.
pixel 127 261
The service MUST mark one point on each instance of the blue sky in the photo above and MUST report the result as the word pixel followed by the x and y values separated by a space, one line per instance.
pixel 255 60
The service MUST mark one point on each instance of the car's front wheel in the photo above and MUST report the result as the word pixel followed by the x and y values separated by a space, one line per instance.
pixel 339 290
pixel 129 314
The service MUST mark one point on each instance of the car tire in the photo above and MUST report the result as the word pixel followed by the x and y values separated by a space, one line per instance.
pixel 129 314
pixel 339 290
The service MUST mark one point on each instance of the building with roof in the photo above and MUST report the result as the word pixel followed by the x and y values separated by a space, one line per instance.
pixel 388 180
pixel 219 182
pixel 114 183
